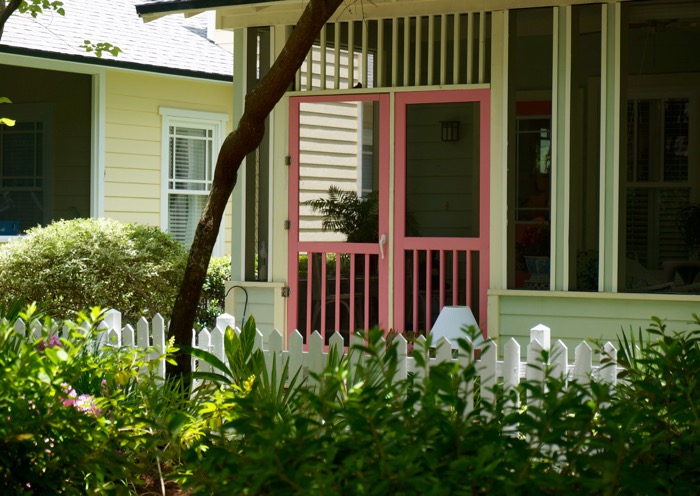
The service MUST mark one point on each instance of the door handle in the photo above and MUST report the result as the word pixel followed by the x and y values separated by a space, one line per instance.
pixel 382 242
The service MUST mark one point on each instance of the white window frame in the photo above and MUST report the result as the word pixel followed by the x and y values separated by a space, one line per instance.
pixel 214 121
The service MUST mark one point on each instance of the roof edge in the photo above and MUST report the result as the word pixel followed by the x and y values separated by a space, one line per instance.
pixel 167 7
pixel 115 64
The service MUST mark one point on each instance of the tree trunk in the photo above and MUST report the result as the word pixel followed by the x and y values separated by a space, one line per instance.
pixel 246 138
pixel 6 10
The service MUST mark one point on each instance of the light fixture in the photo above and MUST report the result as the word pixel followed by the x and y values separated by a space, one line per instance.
pixel 450 130
pixel 451 324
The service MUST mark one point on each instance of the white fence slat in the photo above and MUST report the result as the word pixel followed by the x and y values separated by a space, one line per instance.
pixel 113 319
pixel 315 357
pixel 20 327
pixel 355 356
pixel 295 350
pixel 258 340
pixel 142 333
pixel 65 331
pixel 558 359
pixel 608 371
pixel 336 342
pixel 217 341
pixel 402 362
pixel 204 343
pixel 467 388
pixel 273 356
pixel 535 368
pixel 583 362
pixel 541 333
pixel 35 329
pixel 443 350
pixel 226 320
pixel 159 331
pixel 487 370
pixel 421 347
pixel 128 336
pixel 511 371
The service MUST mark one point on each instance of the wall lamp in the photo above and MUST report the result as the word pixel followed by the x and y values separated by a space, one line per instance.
pixel 450 130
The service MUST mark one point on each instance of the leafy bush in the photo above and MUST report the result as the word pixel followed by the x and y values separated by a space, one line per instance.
pixel 212 301
pixel 370 435
pixel 80 263
pixel 80 419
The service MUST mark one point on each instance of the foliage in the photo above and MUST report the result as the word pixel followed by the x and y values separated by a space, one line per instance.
pixel 36 7
pixel 79 418
pixel 6 120
pixel 86 420
pixel 213 300
pixel 100 48
pixel 371 435
pixel 688 224
pixel 79 263
pixel 345 212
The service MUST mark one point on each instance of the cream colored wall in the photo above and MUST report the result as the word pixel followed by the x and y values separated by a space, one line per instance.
pixel 133 139
pixel 573 316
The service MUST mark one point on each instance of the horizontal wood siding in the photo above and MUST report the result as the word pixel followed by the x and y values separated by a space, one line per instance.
pixel 578 316
pixel 133 139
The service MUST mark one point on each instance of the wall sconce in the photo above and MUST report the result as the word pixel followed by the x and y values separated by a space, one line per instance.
pixel 450 130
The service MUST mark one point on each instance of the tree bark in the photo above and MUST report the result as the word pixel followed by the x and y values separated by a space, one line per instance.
pixel 6 10
pixel 246 138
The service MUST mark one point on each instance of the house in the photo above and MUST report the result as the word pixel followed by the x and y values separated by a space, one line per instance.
pixel 536 160
pixel 132 137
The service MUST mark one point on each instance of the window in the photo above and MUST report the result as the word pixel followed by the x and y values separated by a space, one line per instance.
pixel 22 182
pixel 658 189
pixel 191 141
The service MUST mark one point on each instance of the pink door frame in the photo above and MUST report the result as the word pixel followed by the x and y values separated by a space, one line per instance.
pixel 296 246
pixel 402 243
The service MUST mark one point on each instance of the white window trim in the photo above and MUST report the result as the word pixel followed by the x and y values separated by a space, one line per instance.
pixel 192 118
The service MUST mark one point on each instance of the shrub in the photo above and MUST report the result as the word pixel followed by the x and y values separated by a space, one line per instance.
pixel 368 434
pixel 80 263
pixel 82 419
pixel 212 301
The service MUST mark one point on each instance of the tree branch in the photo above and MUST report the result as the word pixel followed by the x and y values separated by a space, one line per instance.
pixel 6 12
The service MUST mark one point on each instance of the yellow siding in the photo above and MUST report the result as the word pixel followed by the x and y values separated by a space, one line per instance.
pixel 133 139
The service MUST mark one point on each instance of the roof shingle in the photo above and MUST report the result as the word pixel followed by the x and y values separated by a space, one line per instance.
pixel 170 44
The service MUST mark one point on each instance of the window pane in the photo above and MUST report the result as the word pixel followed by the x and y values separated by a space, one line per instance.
pixel 584 194
pixel 184 212
pixel 530 162
pixel 190 163
pixel 339 172
pixel 442 170
pixel 660 215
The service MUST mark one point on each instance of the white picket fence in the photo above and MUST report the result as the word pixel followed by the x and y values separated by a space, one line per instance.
pixel 312 358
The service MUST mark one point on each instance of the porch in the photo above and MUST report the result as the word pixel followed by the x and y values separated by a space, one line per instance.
pixel 45 159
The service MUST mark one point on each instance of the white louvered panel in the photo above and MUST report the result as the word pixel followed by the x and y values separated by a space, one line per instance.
pixel 184 211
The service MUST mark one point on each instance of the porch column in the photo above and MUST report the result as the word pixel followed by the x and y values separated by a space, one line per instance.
pixel 610 110
pixel 561 140
pixel 240 89
pixel 498 272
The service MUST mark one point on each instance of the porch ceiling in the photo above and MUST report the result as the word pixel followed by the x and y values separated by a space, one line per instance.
pixel 233 14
